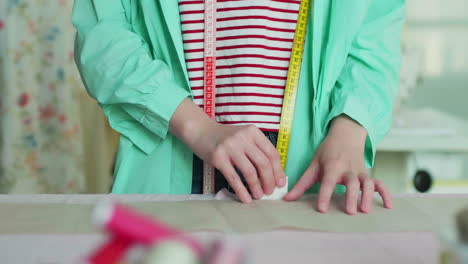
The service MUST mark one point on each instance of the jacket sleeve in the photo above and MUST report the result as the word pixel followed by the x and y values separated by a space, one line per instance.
pixel 369 81
pixel 136 92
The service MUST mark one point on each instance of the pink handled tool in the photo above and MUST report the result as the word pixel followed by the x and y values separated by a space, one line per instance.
pixel 111 252
pixel 128 227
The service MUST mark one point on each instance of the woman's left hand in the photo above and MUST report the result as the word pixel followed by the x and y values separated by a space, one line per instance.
pixel 340 160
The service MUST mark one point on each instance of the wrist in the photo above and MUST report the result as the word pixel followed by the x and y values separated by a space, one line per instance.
pixel 344 127
pixel 194 129
pixel 189 122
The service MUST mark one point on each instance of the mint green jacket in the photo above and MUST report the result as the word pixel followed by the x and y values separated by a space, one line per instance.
pixel 131 59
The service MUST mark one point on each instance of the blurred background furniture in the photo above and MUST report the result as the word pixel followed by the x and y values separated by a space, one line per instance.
pixel 430 134
pixel 424 152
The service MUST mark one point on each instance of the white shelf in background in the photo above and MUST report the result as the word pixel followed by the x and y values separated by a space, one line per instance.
pixel 426 130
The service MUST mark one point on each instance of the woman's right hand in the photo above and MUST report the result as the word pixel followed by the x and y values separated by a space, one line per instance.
pixel 246 148
pixel 227 147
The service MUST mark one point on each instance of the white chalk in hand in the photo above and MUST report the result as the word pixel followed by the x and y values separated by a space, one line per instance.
pixel 278 193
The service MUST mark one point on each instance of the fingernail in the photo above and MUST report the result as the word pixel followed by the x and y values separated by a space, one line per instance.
pixel 351 211
pixel 322 208
pixel 258 195
pixel 282 182
pixel 270 192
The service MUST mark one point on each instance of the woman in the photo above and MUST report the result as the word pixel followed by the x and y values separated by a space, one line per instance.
pixel 132 61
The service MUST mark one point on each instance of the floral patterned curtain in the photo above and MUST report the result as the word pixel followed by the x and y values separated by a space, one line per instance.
pixel 41 147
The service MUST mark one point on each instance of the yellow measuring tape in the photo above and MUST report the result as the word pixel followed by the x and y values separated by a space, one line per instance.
pixel 292 82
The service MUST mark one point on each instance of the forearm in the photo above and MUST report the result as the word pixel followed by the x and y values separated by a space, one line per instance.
pixel 189 122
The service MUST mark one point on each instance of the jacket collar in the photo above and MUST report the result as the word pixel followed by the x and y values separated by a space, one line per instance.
pixel 170 9
pixel 171 15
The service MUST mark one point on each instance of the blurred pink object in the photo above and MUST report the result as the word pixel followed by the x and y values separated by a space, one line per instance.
pixel 127 228
pixel 226 251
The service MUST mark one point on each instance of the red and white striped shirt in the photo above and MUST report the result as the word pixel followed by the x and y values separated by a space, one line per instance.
pixel 254 41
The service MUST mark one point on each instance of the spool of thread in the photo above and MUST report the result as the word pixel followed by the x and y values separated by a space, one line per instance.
pixel 172 251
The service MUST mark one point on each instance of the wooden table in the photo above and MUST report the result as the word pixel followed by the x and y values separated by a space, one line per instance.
pixel 276 230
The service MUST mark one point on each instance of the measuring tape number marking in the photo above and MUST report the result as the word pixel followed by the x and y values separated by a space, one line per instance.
pixel 209 79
